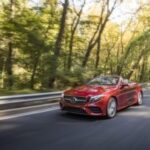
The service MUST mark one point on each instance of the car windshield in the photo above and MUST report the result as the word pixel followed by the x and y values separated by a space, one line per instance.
pixel 104 81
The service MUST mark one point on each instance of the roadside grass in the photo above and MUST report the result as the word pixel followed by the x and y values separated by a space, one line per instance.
pixel 5 92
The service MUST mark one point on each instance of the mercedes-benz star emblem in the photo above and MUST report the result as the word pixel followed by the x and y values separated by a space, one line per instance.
pixel 74 100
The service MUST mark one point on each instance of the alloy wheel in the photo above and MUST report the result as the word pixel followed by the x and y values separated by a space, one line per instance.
pixel 111 108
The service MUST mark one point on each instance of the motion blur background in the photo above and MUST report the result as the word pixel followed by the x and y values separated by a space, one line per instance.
pixel 55 44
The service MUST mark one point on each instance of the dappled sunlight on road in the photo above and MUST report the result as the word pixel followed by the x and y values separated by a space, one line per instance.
pixel 9 126
pixel 137 111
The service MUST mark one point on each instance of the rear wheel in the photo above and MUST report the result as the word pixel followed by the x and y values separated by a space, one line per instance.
pixel 140 99
pixel 111 108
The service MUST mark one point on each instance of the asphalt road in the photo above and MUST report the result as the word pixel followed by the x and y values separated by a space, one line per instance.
pixel 129 130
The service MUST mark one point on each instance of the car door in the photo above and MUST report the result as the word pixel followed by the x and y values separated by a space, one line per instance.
pixel 123 97
pixel 132 94
pixel 124 94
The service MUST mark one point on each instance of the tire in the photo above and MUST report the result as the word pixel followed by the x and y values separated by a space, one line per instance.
pixel 140 99
pixel 111 108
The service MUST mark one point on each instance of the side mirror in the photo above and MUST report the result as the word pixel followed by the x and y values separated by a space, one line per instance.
pixel 123 85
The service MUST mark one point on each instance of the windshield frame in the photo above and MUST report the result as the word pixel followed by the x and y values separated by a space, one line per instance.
pixel 99 83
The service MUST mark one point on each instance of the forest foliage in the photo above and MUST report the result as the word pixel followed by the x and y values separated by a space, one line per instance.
pixel 59 44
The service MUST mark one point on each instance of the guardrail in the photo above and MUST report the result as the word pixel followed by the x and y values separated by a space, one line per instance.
pixel 145 85
pixel 26 97
pixel 24 100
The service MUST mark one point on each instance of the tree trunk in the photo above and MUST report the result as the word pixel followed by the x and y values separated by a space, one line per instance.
pixel 2 74
pixel 9 72
pixel 92 43
pixel 73 30
pixel 122 61
pixel 9 63
pixel 98 52
pixel 35 65
pixel 142 70
pixel 58 45
pixel 87 54
pixel 70 51
pixel 136 64
pixel 107 59
pixel 100 28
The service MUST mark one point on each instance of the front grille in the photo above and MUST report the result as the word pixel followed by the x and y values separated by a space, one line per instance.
pixel 74 110
pixel 95 109
pixel 75 99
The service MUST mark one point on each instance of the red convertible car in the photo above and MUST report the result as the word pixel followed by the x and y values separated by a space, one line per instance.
pixel 102 96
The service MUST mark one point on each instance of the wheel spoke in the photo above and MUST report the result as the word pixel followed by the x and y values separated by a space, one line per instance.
pixel 112 108
pixel 139 98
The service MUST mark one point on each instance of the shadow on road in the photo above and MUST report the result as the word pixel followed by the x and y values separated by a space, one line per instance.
pixel 66 115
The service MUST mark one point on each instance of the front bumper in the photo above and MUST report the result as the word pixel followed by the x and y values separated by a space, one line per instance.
pixel 91 109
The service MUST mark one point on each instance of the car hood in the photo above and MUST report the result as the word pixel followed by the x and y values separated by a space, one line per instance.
pixel 88 90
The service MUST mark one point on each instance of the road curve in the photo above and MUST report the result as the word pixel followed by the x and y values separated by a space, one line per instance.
pixel 129 130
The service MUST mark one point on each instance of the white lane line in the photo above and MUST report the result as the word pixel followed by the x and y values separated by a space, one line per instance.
pixel 146 95
pixel 28 107
pixel 29 113
pixel 146 89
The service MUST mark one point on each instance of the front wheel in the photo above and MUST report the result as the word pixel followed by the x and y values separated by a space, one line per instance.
pixel 111 108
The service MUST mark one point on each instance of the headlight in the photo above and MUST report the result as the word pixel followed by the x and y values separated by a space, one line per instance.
pixel 95 98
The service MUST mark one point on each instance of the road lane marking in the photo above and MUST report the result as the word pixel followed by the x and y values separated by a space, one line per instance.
pixel 28 107
pixel 29 113
pixel 146 95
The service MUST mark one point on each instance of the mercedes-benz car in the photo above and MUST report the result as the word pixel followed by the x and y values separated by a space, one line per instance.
pixel 102 96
